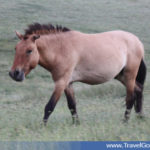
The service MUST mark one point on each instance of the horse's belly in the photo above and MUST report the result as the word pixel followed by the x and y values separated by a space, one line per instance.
pixel 88 77
pixel 94 75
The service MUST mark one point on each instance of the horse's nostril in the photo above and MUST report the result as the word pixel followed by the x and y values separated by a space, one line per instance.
pixel 16 73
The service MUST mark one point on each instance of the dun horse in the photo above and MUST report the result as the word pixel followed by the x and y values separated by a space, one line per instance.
pixel 72 56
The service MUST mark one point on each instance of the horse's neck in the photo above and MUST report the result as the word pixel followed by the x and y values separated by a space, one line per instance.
pixel 47 47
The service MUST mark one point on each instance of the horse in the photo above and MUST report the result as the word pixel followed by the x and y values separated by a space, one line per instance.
pixel 72 56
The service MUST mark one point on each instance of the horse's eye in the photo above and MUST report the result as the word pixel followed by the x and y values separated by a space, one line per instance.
pixel 29 51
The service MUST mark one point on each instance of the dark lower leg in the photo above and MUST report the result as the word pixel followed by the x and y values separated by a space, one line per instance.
pixel 138 100
pixel 129 104
pixel 72 104
pixel 49 108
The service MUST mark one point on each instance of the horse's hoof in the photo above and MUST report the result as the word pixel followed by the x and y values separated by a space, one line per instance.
pixel 44 122
pixel 125 120
pixel 41 124
pixel 76 122
pixel 140 116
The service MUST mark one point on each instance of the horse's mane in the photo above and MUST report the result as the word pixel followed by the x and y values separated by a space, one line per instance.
pixel 42 29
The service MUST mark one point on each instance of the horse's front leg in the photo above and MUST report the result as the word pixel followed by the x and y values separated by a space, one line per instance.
pixel 72 103
pixel 49 108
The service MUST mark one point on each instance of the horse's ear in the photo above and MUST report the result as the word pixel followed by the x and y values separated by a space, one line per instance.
pixel 35 37
pixel 20 36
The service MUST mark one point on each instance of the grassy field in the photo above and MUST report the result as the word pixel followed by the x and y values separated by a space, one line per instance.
pixel 100 108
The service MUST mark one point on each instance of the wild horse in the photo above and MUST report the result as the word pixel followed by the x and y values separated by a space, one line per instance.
pixel 72 56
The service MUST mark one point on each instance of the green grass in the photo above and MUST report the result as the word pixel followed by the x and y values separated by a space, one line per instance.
pixel 100 108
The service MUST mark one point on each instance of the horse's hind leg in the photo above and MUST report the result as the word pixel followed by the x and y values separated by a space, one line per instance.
pixel 138 99
pixel 72 103
pixel 133 79
pixel 127 78
pixel 130 98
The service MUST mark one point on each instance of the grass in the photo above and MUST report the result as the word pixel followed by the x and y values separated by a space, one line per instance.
pixel 101 107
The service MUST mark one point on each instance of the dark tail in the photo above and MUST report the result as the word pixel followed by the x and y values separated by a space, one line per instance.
pixel 141 73
pixel 140 79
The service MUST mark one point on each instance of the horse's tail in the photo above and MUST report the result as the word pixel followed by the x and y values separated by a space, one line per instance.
pixel 140 79
pixel 141 73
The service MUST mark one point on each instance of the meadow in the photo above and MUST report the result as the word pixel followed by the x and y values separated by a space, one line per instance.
pixel 101 107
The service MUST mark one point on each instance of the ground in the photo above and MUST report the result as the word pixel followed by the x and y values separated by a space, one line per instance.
pixel 100 108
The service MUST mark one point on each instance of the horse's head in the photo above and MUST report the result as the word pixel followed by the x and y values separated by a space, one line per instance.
pixel 26 57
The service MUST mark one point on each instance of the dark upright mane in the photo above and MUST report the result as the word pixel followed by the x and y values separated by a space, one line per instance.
pixel 41 29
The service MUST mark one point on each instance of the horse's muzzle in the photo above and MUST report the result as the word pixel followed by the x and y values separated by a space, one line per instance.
pixel 17 75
